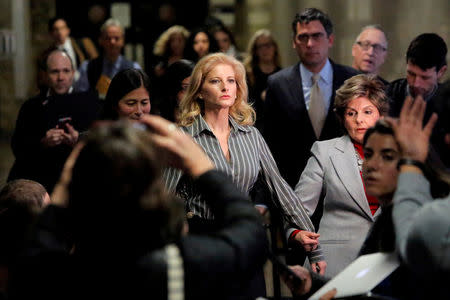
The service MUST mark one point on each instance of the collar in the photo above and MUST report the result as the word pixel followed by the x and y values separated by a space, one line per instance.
pixel 49 93
pixel 200 125
pixel 67 44
pixel 326 74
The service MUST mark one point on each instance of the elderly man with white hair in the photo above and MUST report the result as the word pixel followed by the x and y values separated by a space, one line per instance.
pixel 96 74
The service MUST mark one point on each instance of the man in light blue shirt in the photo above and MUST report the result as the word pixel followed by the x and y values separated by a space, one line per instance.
pixel 97 73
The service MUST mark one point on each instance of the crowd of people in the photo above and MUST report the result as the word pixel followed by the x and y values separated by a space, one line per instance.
pixel 159 181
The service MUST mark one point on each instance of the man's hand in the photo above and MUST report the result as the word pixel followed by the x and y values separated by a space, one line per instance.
pixel 308 240
pixel 71 137
pixel 306 283
pixel 410 134
pixel 329 295
pixel 182 151
pixel 53 137
pixel 319 267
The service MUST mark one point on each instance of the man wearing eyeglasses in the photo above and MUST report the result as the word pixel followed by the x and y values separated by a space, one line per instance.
pixel 292 120
pixel 288 127
pixel 369 50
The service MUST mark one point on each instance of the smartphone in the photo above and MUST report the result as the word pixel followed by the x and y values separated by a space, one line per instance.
pixel 63 121
pixel 284 270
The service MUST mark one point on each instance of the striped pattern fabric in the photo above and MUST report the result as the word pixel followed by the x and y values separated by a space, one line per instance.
pixel 249 155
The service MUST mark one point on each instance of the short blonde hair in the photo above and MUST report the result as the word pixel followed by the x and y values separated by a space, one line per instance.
pixel 162 45
pixel 252 58
pixel 361 85
pixel 191 106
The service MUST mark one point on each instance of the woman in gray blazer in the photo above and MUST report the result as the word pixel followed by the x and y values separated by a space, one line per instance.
pixel 333 174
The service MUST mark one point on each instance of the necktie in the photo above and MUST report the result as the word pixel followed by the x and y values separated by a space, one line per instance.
pixel 317 112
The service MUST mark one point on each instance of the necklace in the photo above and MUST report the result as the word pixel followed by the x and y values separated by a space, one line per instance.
pixel 359 160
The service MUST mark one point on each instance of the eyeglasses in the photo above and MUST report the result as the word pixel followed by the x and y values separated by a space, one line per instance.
pixel 376 47
pixel 304 38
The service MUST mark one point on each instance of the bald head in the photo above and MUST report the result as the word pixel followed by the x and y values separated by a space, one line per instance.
pixel 370 49
pixel 60 72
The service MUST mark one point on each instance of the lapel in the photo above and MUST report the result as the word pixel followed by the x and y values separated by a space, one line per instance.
pixel 331 121
pixel 78 53
pixel 344 162
pixel 294 86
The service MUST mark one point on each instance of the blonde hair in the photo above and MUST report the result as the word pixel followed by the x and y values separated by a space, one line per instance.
pixel 191 106
pixel 251 60
pixel 162 45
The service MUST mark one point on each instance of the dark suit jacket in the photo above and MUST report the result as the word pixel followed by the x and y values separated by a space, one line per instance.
pixel 36 116
pixel 216 266
pixel 287 127
pixel 438 104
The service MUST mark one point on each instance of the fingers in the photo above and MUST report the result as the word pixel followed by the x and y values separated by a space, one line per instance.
pixel 417 111
pixel 323 267
pixel 70 128
pixel 314 267
pixel 329 295
pixel 158 124
pixel 430 125
pixel 406 108
pixel 311 242
pixel 312 235
pixel 186 154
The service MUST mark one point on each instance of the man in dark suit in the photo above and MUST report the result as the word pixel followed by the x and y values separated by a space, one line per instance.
pixel 288 125
pixel 49 124
pixel 78 49
pixel 425 66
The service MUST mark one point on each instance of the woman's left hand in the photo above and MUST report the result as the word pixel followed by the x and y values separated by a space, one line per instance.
pixel 309 240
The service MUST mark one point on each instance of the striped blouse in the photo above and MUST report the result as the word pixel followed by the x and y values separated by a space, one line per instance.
pixel 249 155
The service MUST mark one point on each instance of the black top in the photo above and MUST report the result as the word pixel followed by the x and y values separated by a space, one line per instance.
pixel 216 266
pixel 255 90
pixel 36 116
pixel 397 92
pixel 287 127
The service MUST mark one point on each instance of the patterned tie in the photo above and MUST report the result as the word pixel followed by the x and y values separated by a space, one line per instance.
pixel 317 112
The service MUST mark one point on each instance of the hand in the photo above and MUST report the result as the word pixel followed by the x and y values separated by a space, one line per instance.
pixel 60 195
pixel 319 267
pixel 309 240
pixel 182 151
pixel 411 136
pixel 329 295
pixel 53 137
pixel 306 283
pixel 71 137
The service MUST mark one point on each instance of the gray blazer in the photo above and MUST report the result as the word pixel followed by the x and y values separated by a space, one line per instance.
pixel 332 173
pixel 422 228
